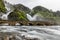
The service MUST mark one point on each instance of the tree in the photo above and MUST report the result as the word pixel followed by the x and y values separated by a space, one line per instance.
pixel 2 6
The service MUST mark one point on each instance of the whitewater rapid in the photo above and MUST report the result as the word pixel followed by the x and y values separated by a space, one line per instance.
pixel 31 32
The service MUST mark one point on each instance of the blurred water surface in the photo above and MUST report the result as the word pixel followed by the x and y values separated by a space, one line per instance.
pixel 40 32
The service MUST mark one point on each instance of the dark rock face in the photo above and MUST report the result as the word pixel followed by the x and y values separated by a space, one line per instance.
pixel 17 15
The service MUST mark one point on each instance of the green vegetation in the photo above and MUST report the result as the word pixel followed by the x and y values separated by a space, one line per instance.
pixel 38 9
pixel 22 8
pixel 2 6
pixel 17 15
pixel 46 14
pixel 43 12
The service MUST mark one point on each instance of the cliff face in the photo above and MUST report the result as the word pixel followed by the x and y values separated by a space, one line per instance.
pixel 2 6
pixel 17 15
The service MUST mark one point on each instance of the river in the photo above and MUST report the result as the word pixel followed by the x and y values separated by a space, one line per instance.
pixel 34 32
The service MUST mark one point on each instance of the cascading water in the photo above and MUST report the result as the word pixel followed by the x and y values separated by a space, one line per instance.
pixel 32 18
pixel 9 8
pixel 37 17
pixel 5 16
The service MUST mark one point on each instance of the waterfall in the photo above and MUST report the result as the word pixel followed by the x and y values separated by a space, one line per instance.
pixel 9 8
pixel 5 16
pixel 36 17
pixel 32 18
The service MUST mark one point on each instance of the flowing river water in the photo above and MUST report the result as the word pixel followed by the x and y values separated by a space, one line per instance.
pixel 33 32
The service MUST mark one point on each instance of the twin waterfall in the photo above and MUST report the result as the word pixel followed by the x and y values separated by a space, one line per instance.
pixel 10 9
pixel 28 32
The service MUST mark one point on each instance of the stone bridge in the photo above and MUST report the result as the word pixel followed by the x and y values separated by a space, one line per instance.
pixel 27 23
